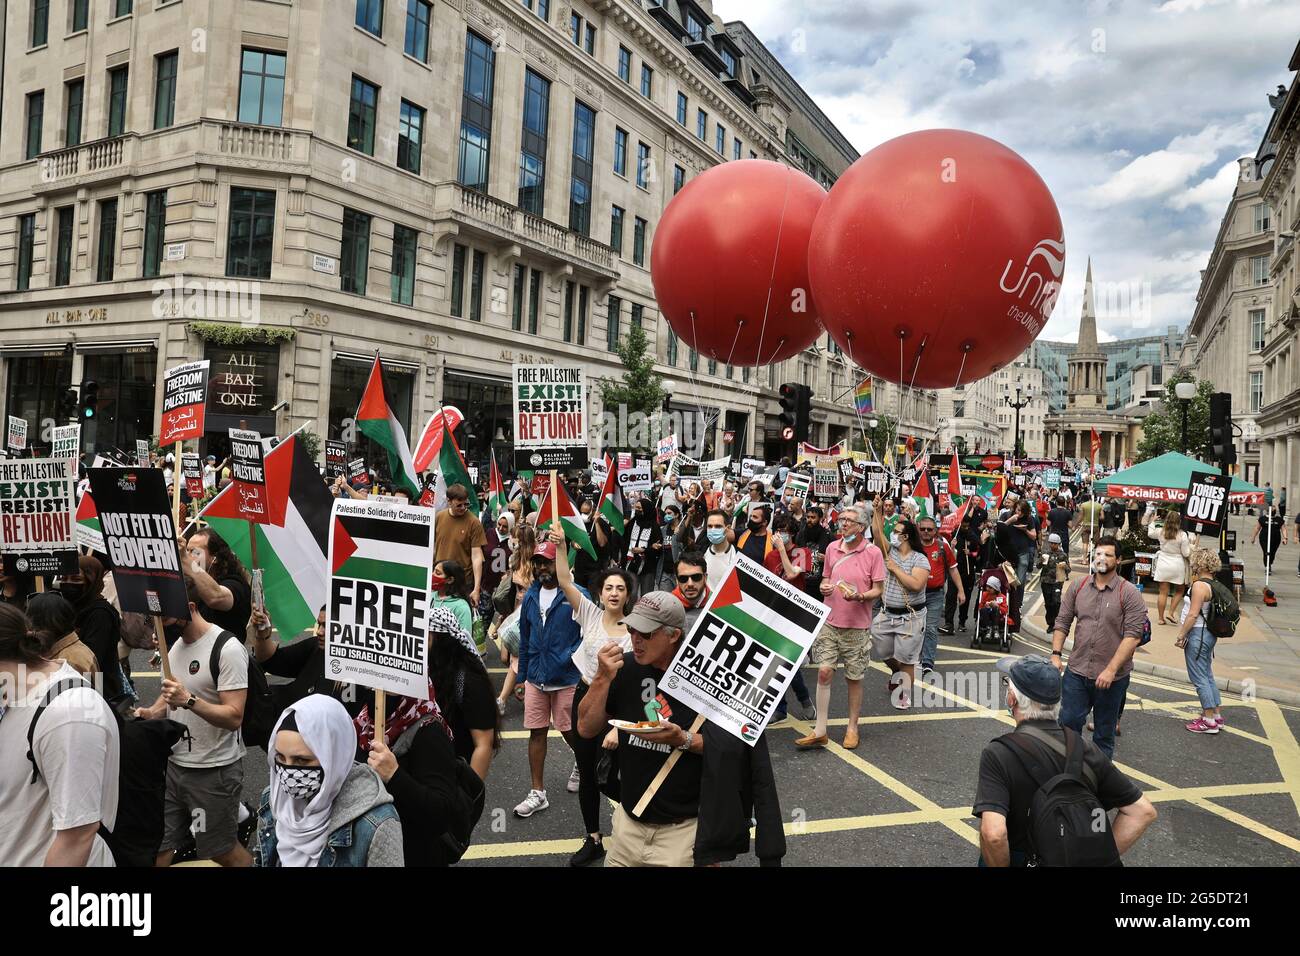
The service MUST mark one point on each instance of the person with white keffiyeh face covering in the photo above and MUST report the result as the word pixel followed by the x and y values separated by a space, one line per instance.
pixel 322 807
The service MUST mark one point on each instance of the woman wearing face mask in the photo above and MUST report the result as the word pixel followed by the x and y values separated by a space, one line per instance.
pixel 673 524
pixel 601 623
pixel 899 630
pixel 99 627
pixel 14 588
pixel 323 808
pixel 448 583
pixel 644 546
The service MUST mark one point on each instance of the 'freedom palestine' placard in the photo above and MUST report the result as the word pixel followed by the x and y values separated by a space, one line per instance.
pixel 550 417
pixel 735 665
pixel 376 628
pixel 185 396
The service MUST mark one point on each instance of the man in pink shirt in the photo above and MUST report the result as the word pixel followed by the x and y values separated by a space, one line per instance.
pixel 853 577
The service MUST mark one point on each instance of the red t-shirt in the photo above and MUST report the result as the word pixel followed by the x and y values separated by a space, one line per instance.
pixel 801 558
pixel 942 557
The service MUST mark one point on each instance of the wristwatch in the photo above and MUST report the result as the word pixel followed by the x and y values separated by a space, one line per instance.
pixel 189 704
pixel 690 738
pixel 1056 654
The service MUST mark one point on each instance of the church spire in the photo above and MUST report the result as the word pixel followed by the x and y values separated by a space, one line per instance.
pixel 1088 320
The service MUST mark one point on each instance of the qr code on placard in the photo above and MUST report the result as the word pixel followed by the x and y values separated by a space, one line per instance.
pixel 155 605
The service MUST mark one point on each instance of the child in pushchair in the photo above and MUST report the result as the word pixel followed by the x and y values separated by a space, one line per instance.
pixel 993 615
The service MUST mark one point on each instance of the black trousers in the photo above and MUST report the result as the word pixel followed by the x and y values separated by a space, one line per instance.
pixel 1052 603
pixel 950 605
pixel 586 753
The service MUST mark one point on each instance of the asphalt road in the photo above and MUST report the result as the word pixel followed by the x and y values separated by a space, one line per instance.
pixel 904 796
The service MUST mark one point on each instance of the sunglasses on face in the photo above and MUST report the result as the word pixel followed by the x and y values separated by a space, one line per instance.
pixel 684 578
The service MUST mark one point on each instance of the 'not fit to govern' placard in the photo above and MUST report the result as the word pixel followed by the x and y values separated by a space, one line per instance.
pixel 550 417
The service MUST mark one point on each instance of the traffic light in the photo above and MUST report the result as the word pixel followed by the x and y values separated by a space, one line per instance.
pixel 789 407
pixel 68 404
pixel 803 413
pixel 1221 449
pixel 89 400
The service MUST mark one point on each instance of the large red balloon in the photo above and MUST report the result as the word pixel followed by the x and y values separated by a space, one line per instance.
pixel 732 250
pixel 946 241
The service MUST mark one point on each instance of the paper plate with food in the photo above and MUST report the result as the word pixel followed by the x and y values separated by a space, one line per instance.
pixel 639 726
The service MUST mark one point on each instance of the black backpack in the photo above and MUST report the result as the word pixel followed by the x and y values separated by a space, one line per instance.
pixel 1067 824
pixel 1222 613
pixel 456 839
pixel 144 747
pixel 260 710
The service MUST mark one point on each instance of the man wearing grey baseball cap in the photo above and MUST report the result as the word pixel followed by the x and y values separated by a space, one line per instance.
pixel 1008 799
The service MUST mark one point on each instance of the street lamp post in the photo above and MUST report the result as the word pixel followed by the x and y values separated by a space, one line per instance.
pixel 872 423
pixel 1018 404
pixel 1185 391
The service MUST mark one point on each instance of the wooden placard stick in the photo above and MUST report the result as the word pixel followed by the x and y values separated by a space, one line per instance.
pixel 381 702
pixel 177 451
pixel 662 775
pixel 162 647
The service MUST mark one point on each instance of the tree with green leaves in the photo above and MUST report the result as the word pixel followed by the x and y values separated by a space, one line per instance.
pixel 641 388
pixel 879 437
pixel 1162 430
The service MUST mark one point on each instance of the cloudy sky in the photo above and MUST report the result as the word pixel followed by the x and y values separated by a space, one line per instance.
pixel 1134 112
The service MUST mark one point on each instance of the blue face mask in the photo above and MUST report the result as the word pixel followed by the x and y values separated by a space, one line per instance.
pixel 716 535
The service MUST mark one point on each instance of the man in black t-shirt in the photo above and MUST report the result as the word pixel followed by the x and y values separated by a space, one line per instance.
pixel 219 580
pixel 1059 519
pixel 627 687
pixel 1006 789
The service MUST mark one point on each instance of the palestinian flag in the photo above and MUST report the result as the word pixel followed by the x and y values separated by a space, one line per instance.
pixel 377 422
pixel 575 529
pixel 954 477
pixel 752 606
pixel 611 505
pixel 922 495
pixel 452 471
pixel 292 545
pixel 88 532
pixel 497 499
pixel 389 551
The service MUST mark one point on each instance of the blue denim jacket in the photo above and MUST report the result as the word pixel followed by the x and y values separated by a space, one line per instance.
pixel 348 844
pixel 546 650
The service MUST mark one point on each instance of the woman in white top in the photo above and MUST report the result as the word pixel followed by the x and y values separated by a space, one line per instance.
pixel 600 624
pixel 1170 564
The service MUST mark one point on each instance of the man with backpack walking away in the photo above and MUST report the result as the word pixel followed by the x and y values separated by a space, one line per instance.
pixel 1110 615
pixel 1044 792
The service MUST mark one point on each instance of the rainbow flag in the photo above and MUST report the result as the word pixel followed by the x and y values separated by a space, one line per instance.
pixel 862 397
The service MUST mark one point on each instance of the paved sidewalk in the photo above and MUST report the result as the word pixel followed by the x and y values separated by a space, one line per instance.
pixel 1262 659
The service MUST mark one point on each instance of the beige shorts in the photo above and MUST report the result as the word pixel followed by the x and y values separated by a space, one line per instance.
pixel 850 646
pixel 898 636
pixel 639 844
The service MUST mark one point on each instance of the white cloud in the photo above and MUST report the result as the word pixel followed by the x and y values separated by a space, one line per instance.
pixel 1210 194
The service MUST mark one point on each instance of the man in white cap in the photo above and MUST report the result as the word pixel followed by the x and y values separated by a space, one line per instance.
pixel 1054 565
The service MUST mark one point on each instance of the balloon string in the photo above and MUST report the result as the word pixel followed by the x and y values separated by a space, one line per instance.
pixel 860 417
pixel 776 252
pixel 740 325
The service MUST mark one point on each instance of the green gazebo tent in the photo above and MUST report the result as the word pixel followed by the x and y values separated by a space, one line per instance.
pixel 1166 479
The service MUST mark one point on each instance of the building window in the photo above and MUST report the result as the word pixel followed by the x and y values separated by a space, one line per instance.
pixel 681 108
pixel 1256 391
pixel 80 14
pixel 107 240
pixel 155 231
pixel 638 242
pixel 575 28
pixel 532 155
pixel 620 151
pixel 418 15
pixel 251 237
pixel 574 291
pixel 459 258
pixel 541 7
pixel 647 81
pixel 736 149
pixel 958 409
pixel 1257 330
pixel 73 94
pixel 569 288
pixel 1261 217
pixel 671 356
pixel 476 286
pixel 625 64
pixel 679 179
pixel 40 23
pixel 517 314
pixel 694 27
pixel 638 313
pixel 405 244
pixel 458 280
pixel 590 43
pixel 720 140
pixel 1259 270
pixel 164 90
pixel 728 61
pixel 26 250
pixel 534 300
pixel 611 323
pixel 584 156
pixel 713 366
pixel 35 122
pixel 261 88
pixel 361 116
pixel 616 231
pixel 370 16
pixel 122 8
pixel 643 166
pixel 476 112
pixel 702 125
pixel 117 80
pixel 354 255
pixel 63 251
pixel 410 137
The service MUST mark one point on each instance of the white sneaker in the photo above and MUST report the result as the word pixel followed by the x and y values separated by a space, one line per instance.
pixel 536 800
pixel 574 777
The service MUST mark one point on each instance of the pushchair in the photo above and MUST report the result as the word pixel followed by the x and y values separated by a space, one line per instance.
pixel 993 614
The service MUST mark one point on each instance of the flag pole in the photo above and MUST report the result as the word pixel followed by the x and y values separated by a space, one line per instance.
pixel 381 703
pixel 177 451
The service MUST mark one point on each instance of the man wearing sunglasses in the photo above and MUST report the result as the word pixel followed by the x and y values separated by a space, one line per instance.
pixel 692 585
